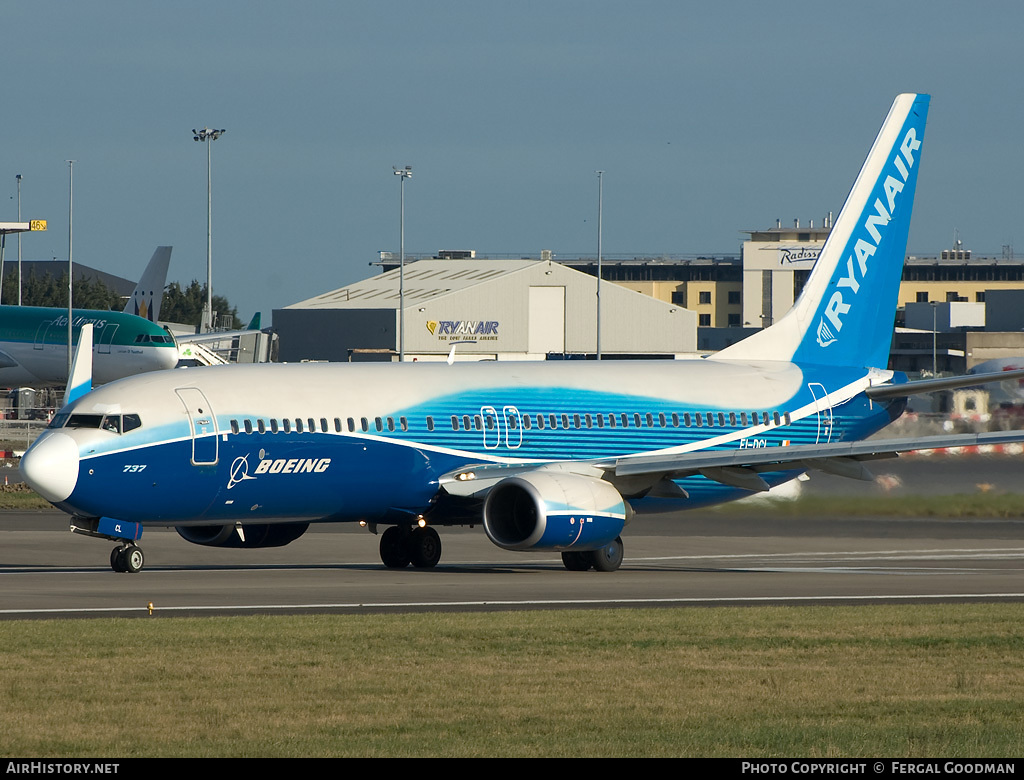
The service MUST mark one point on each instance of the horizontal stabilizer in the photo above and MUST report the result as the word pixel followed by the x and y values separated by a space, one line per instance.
pixel 879 392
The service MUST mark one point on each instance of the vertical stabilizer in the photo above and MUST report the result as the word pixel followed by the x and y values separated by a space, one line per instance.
pixel 149 292
pixel 80 381
pixel 844 315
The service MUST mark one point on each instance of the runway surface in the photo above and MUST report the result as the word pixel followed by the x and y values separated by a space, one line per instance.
pixel 705 558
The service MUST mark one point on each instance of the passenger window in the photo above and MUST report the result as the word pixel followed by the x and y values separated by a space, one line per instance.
pixel 378 424
pixel 404 423
pixel 675 420
pixel 260 426
pixel 273 426
pixel 636 420
pixel 721 419
pixel 430 423
pixel 337 425
pixel 287 425
pixel 391 423
pixel 455 423
pixel 576 421
pixel 611 420
pixel 686 419
pixel 364 424
pixel 234 426
pixel 351 425
pixel 478 422
pixel 565 421
pixel 248 425
pixel 732 419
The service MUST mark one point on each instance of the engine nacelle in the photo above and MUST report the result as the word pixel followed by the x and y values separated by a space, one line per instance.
pixel 256 535
pixel 545 510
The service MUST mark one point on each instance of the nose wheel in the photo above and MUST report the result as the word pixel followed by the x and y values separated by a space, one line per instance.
pixel 127 558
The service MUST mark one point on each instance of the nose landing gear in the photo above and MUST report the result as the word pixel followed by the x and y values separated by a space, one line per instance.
pixel 127 556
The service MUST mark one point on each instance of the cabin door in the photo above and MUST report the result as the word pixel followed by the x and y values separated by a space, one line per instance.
pixel 203 425
pixel 824 409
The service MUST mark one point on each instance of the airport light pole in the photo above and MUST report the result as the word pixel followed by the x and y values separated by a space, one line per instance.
pixel 208 136
pixel 71 242
pixel 600 204
pixel 18 177
pixel 403 174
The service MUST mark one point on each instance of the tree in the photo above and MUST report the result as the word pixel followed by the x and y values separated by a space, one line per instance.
pixel 50 290
pixel 186 305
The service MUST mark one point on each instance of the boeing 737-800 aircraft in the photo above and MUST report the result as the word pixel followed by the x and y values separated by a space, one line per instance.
pixel 546 456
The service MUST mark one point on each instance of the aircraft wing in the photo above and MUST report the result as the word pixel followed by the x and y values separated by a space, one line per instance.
pixel 841 458
pixel 652 475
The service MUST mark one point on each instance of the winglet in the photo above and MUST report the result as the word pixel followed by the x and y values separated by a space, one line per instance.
pixel 80 381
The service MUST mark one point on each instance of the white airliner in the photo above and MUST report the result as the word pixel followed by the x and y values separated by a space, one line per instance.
pixel 546 456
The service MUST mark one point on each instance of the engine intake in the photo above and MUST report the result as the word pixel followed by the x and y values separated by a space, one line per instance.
pixel 553 511
pixel 256 535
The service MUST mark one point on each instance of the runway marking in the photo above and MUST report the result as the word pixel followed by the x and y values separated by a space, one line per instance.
pixel 508 603
pixel 937 553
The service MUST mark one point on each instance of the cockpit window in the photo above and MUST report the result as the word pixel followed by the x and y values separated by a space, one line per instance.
pixel 85 421
pixel 115 423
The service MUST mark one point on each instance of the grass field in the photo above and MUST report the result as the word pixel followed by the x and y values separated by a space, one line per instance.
pixel 924 681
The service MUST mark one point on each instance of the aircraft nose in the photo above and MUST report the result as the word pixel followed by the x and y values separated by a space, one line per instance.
pixel 50 467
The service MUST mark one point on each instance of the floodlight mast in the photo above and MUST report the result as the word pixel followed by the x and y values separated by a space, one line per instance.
pixel 403 174
pixel 208 135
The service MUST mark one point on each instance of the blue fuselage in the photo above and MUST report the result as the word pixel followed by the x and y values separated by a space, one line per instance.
pixel 371 442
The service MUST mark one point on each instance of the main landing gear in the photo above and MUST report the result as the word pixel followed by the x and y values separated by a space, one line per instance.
pixel 608 558
pixel 127 558
pixel 401 545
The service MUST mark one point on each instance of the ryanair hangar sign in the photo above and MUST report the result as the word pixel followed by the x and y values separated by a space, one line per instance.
pixel 458 330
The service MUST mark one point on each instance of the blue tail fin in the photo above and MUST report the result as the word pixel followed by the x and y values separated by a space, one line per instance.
pixel 845 313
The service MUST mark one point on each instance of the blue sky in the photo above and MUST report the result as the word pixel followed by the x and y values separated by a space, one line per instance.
pixel 707 119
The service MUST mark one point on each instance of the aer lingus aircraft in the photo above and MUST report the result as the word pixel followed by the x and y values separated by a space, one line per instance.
pixel 34 339
pixel 545 455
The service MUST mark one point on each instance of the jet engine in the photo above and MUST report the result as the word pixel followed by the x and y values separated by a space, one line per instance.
pixel 256 535
pixel 548 510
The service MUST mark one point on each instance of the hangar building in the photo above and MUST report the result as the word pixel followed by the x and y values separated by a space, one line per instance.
pixel 504 309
